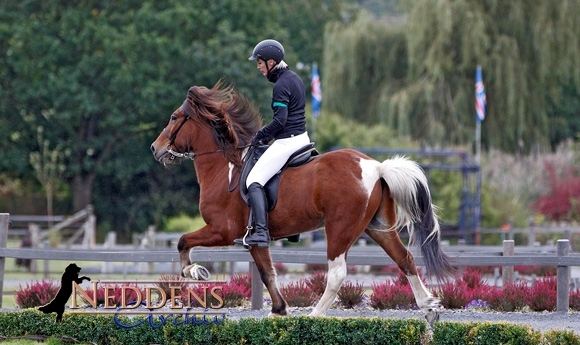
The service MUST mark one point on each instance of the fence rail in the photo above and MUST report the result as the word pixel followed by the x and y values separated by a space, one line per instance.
pixel 507 258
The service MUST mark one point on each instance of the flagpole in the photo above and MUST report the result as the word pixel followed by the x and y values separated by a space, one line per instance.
pixel 478 142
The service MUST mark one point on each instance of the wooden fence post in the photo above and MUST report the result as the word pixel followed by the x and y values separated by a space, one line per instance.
pixel 563 285
pixel 4 221
pixel 257 287
pixel 507 274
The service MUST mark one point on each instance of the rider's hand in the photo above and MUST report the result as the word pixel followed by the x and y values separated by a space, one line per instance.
pixel 257 140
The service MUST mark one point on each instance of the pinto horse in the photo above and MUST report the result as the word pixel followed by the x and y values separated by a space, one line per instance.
pixel 344 191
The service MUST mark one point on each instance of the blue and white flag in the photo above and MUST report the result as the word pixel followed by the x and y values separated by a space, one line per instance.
pixel 480 99
pixel 316 91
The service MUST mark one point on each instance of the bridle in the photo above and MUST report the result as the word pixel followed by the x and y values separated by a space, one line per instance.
pixel 175 154
pixel 192 155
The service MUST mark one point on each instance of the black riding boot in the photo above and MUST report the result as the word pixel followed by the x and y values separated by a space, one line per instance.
pixel 259 209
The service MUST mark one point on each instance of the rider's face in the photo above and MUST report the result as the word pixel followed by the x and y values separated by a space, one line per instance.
pixel 263 66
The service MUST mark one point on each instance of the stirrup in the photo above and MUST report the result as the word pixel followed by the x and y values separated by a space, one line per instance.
pixel 242 240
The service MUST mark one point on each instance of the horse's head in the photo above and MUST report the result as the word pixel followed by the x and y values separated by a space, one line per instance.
pixel 209 121
pixel 170 144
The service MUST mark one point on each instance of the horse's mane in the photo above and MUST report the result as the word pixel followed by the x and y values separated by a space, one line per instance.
pixel 233 119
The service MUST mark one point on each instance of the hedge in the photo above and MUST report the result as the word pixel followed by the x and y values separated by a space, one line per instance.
pixel 102 329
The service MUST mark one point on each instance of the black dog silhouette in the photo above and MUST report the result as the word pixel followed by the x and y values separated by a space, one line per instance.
pixel 70 275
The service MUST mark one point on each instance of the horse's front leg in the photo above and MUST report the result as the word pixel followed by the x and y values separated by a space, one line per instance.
pixel 204 237
pixel 263 261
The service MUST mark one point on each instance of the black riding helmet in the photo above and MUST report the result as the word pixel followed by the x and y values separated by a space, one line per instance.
pixel 268 49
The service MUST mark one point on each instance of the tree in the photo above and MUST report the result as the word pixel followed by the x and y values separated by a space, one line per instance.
pixel 530 56
pixel 102 77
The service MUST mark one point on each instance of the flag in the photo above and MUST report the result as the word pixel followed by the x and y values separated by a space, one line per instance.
pixel 480 99
pixel 316 91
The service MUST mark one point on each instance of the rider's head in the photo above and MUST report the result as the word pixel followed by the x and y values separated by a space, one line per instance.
pixel 268 54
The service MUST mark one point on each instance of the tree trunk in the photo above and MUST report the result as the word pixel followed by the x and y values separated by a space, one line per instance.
pixel 82 191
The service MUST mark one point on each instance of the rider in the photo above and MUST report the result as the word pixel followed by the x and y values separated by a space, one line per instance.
pixel 288 128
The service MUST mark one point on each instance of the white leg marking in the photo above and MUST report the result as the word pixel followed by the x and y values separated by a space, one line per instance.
pixel 336 275
pixel 424 298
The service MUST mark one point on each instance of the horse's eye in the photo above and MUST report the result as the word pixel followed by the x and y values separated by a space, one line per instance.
pixel 173 117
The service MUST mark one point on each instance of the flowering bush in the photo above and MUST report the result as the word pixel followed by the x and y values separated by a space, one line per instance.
pixel 350 294
pixel 391 295
pixel 454 294
pixel 472 278
pixel 317 283
pixel 233 294
pixel 36 294
pixel 575 300
pixel 512 297
pixel 280 268
pixel 298 294
pixel 543 294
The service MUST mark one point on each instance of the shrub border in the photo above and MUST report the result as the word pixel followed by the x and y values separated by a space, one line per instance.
pixel 102 329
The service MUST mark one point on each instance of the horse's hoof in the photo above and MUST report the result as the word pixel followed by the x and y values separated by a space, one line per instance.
pixel 432 316
pixel 275 315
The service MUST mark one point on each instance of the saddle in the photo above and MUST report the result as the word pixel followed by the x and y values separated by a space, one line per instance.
pixel 301 156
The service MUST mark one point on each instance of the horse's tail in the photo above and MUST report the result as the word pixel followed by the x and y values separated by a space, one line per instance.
pixel 409 188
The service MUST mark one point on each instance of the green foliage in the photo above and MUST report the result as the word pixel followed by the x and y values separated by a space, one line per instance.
pixel 561 337
pixel 97 76
pixel 336 131
pixel 415 72
pixel 183 224
pixel 285 330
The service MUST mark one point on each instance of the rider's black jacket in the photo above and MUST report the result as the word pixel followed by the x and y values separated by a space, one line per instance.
pixel 288 102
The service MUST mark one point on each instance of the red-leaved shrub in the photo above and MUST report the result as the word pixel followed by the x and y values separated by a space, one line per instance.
pixel 350 294
pixel 298 294
pixel 543 294
pixel 280 268
pixel 512 297
pixel 454 294
pixel 36 294
pixel 472 277
pixel 233 293
pixel 390 295
pixel 575 300
pixel 317 283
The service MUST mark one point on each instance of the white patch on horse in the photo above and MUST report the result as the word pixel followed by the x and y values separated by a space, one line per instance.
pixel 424 298
pixel 336 275
pixel 370 174
pixel 231 165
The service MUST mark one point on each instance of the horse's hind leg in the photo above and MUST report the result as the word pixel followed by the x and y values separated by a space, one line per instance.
pixel 334 279
pixel 263 261
pixel 391 243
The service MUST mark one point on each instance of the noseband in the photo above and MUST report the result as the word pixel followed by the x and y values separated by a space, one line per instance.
pixel 172 137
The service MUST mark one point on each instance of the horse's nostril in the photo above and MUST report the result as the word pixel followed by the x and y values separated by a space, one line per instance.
pixel 152 148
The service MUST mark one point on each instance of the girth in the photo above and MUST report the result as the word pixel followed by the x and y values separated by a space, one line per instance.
pixel 300 157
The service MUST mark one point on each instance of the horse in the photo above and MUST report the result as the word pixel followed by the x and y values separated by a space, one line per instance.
pixel 343 191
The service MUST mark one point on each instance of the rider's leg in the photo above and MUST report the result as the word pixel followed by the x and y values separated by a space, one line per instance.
pixel 259 209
